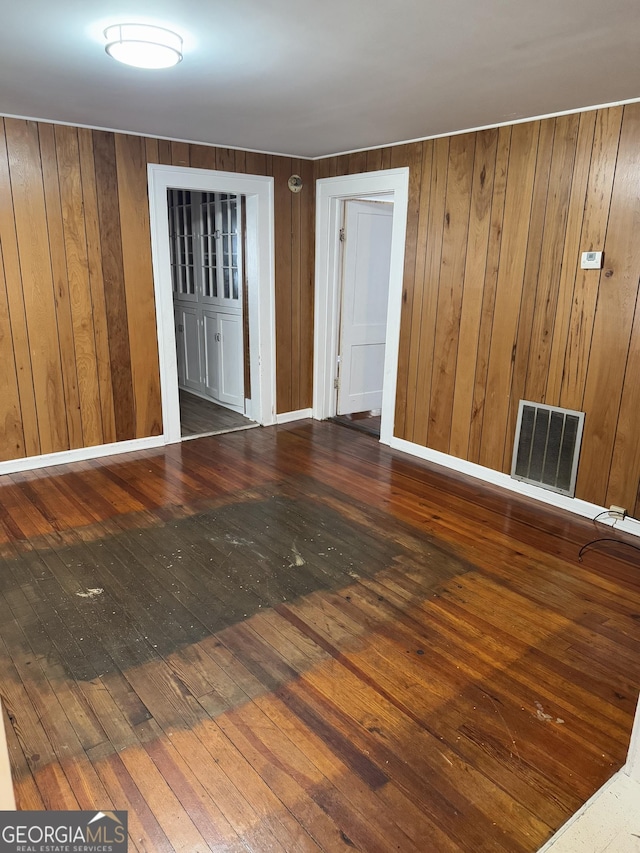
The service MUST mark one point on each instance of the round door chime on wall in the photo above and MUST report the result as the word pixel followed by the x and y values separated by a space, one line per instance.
pixel 295 183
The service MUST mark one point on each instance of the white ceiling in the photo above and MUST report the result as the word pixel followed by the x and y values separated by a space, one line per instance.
pixel 317 77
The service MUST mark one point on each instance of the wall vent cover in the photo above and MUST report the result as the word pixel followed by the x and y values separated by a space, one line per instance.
pixel 547 447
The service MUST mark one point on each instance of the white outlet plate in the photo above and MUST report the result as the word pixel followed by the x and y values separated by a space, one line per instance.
pixel 591 261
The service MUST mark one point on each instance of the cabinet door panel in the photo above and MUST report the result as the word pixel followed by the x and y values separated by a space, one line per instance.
pixel 231 356
pixel 180 343
pixel 191 348
pixel 212 354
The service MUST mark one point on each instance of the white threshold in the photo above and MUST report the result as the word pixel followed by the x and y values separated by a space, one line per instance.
pixel 498 478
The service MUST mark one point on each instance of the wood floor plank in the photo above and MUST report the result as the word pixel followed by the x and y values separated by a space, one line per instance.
pixel 295 639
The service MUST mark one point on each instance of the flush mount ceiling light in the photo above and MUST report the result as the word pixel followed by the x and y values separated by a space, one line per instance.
pixel 143 45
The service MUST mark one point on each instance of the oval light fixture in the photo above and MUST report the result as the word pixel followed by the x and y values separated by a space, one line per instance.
pixel 143 45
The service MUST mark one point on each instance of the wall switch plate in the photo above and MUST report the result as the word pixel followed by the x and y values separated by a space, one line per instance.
pixel 591 261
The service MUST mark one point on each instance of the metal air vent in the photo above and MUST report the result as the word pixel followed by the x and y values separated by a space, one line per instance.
pixel 547 447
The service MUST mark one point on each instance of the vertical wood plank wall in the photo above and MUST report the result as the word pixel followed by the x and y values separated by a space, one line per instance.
pixel 495 305
pixel 78 346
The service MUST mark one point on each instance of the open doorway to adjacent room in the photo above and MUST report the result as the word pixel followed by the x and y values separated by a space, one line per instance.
pixel 207 237
pixel 212 247
pixel 365 238
pixel 360 238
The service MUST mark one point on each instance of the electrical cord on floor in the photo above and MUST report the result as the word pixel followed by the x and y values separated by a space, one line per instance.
pixel 604 538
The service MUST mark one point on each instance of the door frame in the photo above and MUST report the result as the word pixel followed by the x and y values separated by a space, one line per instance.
pixel 260 272
pixel 330 194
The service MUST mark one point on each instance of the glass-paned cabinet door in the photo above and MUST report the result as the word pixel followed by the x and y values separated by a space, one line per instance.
pixel 208 245
pixel 221 234
pixel 181 244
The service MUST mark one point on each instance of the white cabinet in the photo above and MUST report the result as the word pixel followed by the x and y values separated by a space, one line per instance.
pixel 206 259
pixel 189 343
pixel 223 353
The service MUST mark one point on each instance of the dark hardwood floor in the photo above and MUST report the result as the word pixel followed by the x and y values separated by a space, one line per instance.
pixel 204 417
pixel 293 639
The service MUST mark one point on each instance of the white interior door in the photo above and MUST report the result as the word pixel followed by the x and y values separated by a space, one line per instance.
pixel 365 296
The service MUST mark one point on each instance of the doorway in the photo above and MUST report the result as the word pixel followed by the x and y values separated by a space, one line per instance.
pixel 365 238
pixel 207 237
pixel 379 364
pixel 244 318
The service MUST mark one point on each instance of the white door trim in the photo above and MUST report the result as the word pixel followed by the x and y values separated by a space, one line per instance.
pixel 330 193
pixel 258 191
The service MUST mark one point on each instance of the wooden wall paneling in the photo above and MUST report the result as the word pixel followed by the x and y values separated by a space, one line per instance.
pixel 517 213
pixel 407 155
pixel 256 163
pixel 55 233
pixel 570 259
pixel 474 277
pixel 152 150
pixel 614 316
pixel 96 282
pixel 450 291
pixel 297 203
pixel 489 293
pixel 241 161
pixel 164 152
pixel 422 241
pixel 307 261
pixel 623 488
pixel 37 282
pixel 180 153
pixel 203 157
pixel 283 231
pixel 429 286
pixel 325 168
pixel 342 165
pixel 374 160
pixel 138 281
pixel 564 152
pixel 114 287
pixel 357 162
pixel 75 243
pixel 587 282
pixel 11 432
pixel 386 157
pixel 531 279
pixel 15 301
pixel 226 158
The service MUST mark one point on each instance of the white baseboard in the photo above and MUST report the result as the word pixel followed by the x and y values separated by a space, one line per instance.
pixel 299 415
pixel 80 454
pixel 497 478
